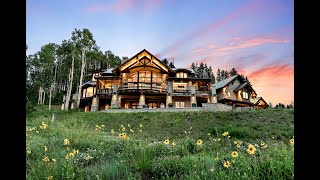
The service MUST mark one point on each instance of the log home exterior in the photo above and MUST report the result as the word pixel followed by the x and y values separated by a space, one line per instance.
pixel 143 81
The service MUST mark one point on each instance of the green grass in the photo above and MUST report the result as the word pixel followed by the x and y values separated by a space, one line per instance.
pixel 144 155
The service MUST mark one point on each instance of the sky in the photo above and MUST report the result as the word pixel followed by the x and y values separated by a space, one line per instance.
pixel 256 37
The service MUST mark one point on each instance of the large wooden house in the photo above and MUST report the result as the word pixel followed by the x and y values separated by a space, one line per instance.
pixel 143 81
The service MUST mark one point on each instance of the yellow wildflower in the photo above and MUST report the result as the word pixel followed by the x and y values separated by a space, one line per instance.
pixel 131 130
pixel 251 149
pixel 141 125
pixel 69 155
pixel 54 160
pixel 46 159
pixel 292 141
pixel 43 125
pixel 229 136
pixel 66 142
pixel 226 164
pixel 208 134
pixel 199 142
pixel 173 143
pixel 264 146
pixel 235 142
pixel 166 141
pixel 49 177
pixel 75 151
pixel 123 129
pixel 140 130
pixel 112 131
pixel 121 125
pixel 238 145
pixel 225 133
pixel 234 154
pixel 45 148
pixel 103 126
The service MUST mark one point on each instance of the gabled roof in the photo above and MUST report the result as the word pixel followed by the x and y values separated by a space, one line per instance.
pixel 241 86
pixel 182 69
pixel 160 63
pixel 107 71
pixel 89 83
pixel 221 84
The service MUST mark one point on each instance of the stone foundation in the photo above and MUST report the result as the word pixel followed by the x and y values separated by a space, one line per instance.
pixel 216 106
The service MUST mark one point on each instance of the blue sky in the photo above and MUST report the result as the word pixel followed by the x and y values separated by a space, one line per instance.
pixel 254 36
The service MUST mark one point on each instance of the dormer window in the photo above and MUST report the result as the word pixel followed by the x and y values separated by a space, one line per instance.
pixel 181 75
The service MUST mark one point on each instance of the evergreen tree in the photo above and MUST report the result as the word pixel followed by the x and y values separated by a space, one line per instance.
pixel 209 73
pixel 171 65
pixel 165 61
pixel 233 72
pixel 205 71
pixel 213 79
pixel 226 74
pixel 218 78
pixel 223 75
pixel 200 70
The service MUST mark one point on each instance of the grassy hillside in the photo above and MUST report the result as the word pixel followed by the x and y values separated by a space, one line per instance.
pixel 143 154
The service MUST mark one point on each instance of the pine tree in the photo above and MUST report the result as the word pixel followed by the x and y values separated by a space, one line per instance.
pixel 209 72
pixel 165 61
pixel 223 75
pixel 205 71
pixel 218 78
pixel 226 74
pixel 200 70
pixel 171 65
pixel 233 72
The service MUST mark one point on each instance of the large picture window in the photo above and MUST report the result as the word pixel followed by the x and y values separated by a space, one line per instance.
pixel 245 95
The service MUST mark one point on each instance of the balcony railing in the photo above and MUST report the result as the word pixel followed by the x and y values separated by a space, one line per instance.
pixel 104 91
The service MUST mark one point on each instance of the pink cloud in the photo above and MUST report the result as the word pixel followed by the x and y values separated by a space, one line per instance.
pixel 252 42
pixel 205 30
pixel 118 6
pixel 274 83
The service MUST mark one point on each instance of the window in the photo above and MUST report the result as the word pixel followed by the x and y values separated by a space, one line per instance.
pixel 229 94
pixel 180 86
pixel 181 75
pixel 245 95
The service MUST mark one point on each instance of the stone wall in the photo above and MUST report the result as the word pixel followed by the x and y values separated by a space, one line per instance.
pixel 244 108
pixel 216 106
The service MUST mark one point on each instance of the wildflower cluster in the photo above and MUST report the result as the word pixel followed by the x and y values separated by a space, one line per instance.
pixel 43 125
pixel 99 128
pixel 292 141
pixel 123 136
pixel 263 145
pixel 71 154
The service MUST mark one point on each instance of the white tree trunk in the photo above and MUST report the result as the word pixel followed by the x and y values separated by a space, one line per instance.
pixel 39 95
pixel 44 97
pixel 83 65
pixel 70 84
pixel 51 88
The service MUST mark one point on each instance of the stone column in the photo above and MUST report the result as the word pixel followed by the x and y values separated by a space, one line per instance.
pixel 114 99
pixel 193 97
pixel 142 100
pixel 214 94
pixel 95 103
pixel 169 94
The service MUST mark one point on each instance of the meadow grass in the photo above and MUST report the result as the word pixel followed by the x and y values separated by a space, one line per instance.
pixel 94 152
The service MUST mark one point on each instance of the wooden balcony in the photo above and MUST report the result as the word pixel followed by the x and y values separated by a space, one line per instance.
pixel 104 91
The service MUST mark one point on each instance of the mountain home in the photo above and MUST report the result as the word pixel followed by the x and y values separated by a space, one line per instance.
pixel 144 81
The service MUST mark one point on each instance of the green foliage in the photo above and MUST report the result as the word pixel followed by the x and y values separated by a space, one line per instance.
pixel 103 155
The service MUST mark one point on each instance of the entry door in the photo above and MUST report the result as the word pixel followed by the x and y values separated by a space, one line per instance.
pixel 179 104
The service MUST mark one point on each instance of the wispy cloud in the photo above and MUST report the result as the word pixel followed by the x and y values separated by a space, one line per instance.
pixel 274 83
pixel 117 6
pixel 205 30
pixel 121 6
pixel 238 43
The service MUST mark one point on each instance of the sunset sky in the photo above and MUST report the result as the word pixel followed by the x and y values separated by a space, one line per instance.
pixel 256 37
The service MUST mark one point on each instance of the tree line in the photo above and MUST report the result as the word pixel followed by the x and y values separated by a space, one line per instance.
pixel 59 69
